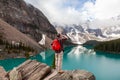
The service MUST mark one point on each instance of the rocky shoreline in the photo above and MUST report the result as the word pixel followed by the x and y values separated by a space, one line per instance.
pixel 34 70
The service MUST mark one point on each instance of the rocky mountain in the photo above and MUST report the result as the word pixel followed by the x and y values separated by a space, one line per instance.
pixel 81 34
pixel 110 28
pixel 78 34
pixel 26 18
pixel 112 31
pixel 95 30
pixel 22 26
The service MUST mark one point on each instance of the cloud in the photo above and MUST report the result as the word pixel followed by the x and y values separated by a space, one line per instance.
pixel 103 9
pixel 101 13
pixel 77 11
pixel 60 11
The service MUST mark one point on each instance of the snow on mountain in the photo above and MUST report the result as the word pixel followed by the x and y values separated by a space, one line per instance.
pixel 105 30
pixel 42 41
pixel 77 34
pixel 113 31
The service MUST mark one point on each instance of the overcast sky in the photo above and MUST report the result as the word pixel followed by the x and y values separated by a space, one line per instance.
pixel 77 11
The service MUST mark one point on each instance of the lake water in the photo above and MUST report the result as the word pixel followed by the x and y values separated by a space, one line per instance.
pixel 103 65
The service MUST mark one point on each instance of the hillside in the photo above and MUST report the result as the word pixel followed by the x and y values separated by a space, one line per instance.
pixel 21 28
pixel 13 36
pixel 109 46
pixel 26 18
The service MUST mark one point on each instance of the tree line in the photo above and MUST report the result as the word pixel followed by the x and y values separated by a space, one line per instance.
pixel 109 46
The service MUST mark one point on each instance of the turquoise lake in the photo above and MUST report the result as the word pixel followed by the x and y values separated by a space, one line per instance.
pixel 104 66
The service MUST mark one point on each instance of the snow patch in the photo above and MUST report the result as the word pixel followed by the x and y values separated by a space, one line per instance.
pixel 42 42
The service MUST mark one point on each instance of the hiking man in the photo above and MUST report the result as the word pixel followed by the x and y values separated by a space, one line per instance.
pixel 58 48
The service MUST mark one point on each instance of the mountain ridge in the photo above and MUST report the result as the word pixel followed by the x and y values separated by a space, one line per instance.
pixel 79 35
pixel 22 23
pixel 26 18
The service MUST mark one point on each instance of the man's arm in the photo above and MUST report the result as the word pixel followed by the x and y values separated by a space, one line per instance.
pixel 64 37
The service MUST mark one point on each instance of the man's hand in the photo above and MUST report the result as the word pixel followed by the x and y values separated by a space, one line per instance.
pixel 64 36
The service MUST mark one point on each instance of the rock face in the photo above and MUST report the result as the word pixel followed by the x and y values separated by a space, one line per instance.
pixel 74 75
pixel 15 75
pixel 34 70
pixel 3 74
pixel 26 18
pixel 10 34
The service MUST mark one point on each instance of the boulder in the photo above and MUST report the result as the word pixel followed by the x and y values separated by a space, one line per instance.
pixel 3 74
pixel 33 70
pixel 15 75
pixel 74 75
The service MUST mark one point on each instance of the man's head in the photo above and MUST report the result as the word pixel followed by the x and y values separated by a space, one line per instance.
pixel 58 35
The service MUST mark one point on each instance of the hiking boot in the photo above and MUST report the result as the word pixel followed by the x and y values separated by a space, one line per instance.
pixel 61 71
